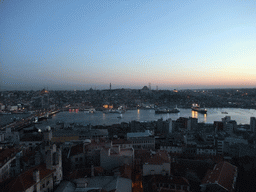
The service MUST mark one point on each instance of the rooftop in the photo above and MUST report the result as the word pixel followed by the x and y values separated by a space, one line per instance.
pixel 6 154
pixel 139 134
pixel 223 175
pixel 25 180
pixel 158 159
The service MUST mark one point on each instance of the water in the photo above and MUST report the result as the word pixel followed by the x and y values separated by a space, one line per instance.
pixel 242 116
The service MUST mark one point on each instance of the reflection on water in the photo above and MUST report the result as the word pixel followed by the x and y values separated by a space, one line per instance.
pixel 194 114
pixel 99 118
pixel 205 118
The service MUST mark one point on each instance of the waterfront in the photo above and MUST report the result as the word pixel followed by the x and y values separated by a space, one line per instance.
pixel 242 116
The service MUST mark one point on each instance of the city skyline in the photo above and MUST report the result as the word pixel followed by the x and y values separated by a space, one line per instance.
pixel 80 45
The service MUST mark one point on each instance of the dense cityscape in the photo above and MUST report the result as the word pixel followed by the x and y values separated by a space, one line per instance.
pixel 180 154
pixel 127 96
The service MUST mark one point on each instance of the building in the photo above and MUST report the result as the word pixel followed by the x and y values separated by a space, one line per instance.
pixel 205 149
pixel 122 143
pixel 114 157
pixel 142 140
pixel 164 127
pixel 37 179
pixel 180 123
pixel 253 124
pixel 7 162
pixel 221 178
pixel 218 125
pixel 231 126
pixel 83 155
pixel 154 183
pixel 192 123
pixel 172 148
pixel 157 164
pixel 97 184
pixel 220 145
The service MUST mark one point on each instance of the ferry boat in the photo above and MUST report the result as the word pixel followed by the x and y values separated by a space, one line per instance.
pixel 196 107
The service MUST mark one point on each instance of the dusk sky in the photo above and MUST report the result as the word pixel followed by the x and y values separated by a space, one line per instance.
pixel 170 44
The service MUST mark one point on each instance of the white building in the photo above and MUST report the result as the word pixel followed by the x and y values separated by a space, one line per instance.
pixel 157 164
pixel 114 157
pixel 142 140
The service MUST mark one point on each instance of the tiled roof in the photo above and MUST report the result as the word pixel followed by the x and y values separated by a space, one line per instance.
pixel 32 137
pixel 77 149
pixel 142 155
pixel 6 154
pixel 158 158
pixel 81 173
pixel 25 180
pixel 169 179
pixel 26 157
pixel 223 174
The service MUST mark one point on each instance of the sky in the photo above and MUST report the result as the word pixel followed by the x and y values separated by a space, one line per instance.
pixel 73 44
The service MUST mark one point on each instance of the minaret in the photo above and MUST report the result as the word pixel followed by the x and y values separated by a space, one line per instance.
pixel 110 86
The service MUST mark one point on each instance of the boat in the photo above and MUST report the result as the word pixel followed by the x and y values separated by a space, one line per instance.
pixel 167 110
pixel 224 112
pixel 196 107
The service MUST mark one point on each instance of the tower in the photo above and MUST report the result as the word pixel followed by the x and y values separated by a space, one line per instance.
pixel 110 86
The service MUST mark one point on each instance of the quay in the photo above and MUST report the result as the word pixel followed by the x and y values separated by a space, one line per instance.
pixel 18 125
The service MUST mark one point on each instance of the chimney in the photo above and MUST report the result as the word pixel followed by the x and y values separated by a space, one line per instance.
pixel 36 177
pixel 92 171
